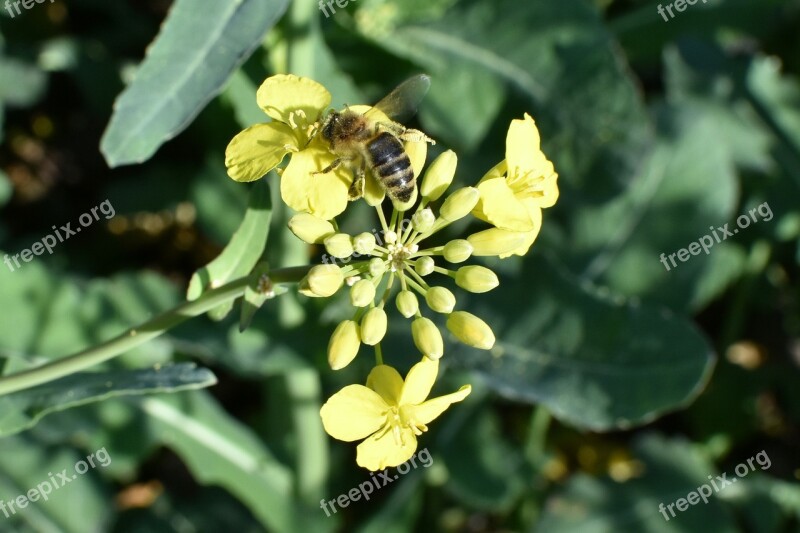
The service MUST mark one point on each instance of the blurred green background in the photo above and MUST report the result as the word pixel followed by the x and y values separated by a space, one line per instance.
pixel 615 385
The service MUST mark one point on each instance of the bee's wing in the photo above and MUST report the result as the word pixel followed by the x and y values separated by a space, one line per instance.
pixel 401 104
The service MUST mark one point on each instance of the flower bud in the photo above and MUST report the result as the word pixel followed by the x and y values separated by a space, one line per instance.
pixel 470 330
pixel 495 241
pixel 373 326
pixel 424 265
pixel 362 293
pixel 457 251
pixel 310 229
pixel 407 303
pixel 376 267
pixel 427 338
pixel 344 344
pixel 364 243
pixel 322 281
pixel 390 237
pixel 476 279
pixel 459 204
pixel 440 299
pixel 339 245
pixel 439 176
pixel 423 220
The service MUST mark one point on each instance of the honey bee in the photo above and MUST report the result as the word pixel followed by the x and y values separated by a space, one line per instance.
pixel 360 141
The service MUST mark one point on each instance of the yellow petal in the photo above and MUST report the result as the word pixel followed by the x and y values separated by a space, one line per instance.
pixel 322 195
pixel 386 381
pixel 497 171
pixel 530 236
pixel 353 413
pixel 431 409
pixel 419 382
pixel 522 145
pixel 257 150
pixel 291 99
pixel 382 450
pixel 498 206
pixel 374 194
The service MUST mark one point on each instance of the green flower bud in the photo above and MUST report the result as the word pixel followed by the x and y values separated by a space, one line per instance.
pixel 440 299
pixel 422 221
pixel 459 204
pixel 373 326
pixel 470 330
pixel 427 338
pixel 310 229
pixel 495 241
pixel 439 176
pixel 364 243
pixel 376 267
pixel 424 265
pixel 322 281
pixel 457 251
pixel 339 245
pixel 476 279
pixel 362 293
pixel 390 237
pixel 344 343
pixel 407 303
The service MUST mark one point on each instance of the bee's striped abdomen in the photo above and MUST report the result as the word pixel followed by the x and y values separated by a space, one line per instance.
pixel 391 166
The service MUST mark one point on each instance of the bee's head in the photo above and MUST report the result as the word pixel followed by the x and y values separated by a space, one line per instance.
pixel 328 127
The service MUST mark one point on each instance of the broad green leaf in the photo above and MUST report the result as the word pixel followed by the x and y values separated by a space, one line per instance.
pixel 558 56
pixel 24 409
pixel 671 469
pixel 200 45
pixel 221 451
pixel 242 252
pixel 687 186
pixel 75 505
pixel 592 360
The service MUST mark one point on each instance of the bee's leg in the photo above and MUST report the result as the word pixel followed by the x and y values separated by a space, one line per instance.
pixel 415 136
pixel 359 183
pixel 330 168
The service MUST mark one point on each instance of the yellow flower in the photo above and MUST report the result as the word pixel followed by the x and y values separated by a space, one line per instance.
pixel 389 413
pixel 514 192
pixel 296 106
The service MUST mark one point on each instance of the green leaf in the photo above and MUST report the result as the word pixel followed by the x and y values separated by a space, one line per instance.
pixel 558 56
pixel 24 409
pixel 21 84
pixel 6 189
pixel 242 252
pixel 221 451
pixel 199 46
pixel 27 464
pixel 258 292
pixel 593 361
pixel 671 470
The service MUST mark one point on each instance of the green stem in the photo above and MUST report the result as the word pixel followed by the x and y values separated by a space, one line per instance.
pixel 141 334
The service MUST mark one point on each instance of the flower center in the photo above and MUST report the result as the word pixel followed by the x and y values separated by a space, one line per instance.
pixel 399 254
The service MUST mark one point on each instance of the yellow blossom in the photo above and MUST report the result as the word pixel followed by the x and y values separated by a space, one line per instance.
pixel 389 413
pixel 514 193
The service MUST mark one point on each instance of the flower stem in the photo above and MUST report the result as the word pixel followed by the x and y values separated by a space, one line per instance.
pixel 378 354
pixel 141 334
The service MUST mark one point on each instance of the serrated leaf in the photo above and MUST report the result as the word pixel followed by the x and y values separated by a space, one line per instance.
pixel 221 451
pixel 201 43
pixel 25 409
pixel 242 252
pixel 594 362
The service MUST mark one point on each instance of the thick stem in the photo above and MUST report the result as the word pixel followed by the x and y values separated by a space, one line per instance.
pixel 141 334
